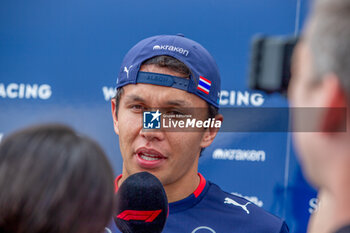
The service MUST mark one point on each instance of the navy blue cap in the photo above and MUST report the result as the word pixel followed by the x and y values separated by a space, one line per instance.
pixel 204 79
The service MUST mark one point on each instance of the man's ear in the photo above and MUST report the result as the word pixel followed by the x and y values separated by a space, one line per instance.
pixel 334 117
pixel 211 132
pixel 115 118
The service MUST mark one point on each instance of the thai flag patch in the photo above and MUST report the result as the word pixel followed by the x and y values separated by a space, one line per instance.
pixel 204 85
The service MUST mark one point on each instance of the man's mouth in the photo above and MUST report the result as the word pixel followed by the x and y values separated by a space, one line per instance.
pixel 149 158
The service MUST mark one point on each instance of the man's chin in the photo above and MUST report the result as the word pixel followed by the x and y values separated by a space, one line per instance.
pixel 140 169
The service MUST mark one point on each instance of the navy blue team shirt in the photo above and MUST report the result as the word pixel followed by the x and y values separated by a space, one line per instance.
pixel 211 210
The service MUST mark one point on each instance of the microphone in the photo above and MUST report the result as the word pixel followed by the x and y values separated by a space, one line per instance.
pixel 142 205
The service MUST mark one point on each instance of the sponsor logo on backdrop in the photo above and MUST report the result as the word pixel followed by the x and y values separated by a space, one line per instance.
pixel 239 155
pixel 25 91
pixel 108 92
pixel 239 98
pixel 233 202
pixel 171 48
pixel 252 199
pixel 203 229
pixel 1 136
pixel 313 205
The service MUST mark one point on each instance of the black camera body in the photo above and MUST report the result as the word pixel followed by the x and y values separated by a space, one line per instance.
pixel 270 65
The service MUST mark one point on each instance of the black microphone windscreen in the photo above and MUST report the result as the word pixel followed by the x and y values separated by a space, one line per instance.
pixel 142 205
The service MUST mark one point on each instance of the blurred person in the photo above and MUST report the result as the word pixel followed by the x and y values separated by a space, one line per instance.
pixel 53 180
pixel 321 78
pixel 179 75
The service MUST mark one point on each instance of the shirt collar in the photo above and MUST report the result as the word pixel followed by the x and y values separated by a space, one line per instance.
pixel 196 192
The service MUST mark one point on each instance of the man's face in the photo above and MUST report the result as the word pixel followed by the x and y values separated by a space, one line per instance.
pixel 304 92
pixel 170 156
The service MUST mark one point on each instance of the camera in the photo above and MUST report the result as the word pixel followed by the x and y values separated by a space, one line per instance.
pixel 270 65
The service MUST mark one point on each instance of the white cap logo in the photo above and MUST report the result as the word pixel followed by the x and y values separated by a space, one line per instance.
pixel 172 48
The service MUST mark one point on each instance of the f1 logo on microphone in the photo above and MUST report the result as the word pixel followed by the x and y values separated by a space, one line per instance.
pixel 143 215
pixel 151 120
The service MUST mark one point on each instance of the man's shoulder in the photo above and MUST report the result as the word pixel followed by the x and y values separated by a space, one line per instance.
pixel 219 211
pixel 236 208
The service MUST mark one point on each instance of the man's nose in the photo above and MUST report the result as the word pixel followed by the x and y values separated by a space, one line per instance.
pixel 152 134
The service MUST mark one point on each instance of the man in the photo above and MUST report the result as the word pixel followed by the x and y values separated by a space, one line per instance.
pixel 53 180
pixel 179 75
pixel 321 78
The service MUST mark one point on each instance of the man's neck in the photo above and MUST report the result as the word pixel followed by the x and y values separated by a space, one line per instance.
pixel 334 199
pixel 182 188
pixel 340 197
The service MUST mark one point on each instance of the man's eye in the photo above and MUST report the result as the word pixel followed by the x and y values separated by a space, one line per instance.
pixel 137 107
pixel 174 112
